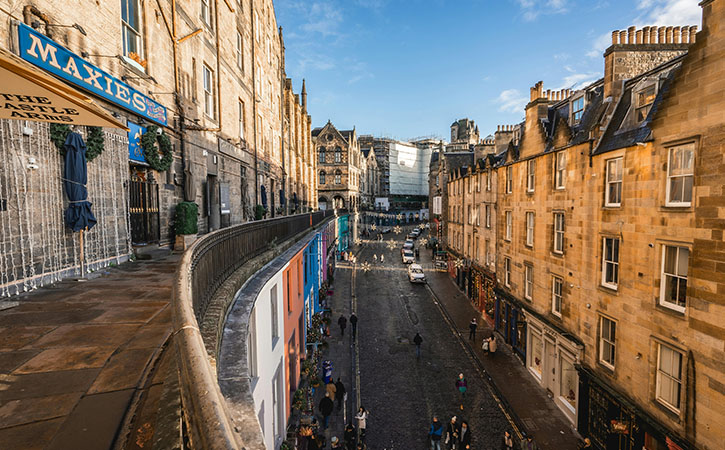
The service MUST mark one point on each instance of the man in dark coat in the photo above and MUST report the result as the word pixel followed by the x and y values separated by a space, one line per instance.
pixel 435 434
pixel 417 340
pixel 342 321
pixel 472 330
pixel 465 436
pixel 452 433
pixel 353 322
pixel 326 408
pixel 340 393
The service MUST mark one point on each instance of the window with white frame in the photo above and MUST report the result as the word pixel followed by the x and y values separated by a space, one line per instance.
pixel 252 346
pixel 577 109
pixel 275 314
pixel 559 232
pixel 669 377
pixel 209 103
pixel 478 183
pixel 470 216
pixel 560 170
pixel 530 229
pixel 509 225
pixel 509 179
pixel 528 282
pixel 557 285
pixel 206 13
pixel 131 28
pixel 478 214
pixel 607 341
pixel 488 180
pixel 338 177
pixel 530 175
pixel 673 284
pixel 240 51
pixel 488 216
pixel 240 108
pixel 644 99
pixel 680 175
pixel 610 262
pixel 338 155
pixel 488 251
pixel 613 195
pixel 507 272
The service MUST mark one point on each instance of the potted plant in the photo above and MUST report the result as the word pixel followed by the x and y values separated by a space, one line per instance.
pixel 185 225
pixel 259 212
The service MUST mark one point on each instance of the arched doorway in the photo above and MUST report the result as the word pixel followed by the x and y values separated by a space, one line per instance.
pixel 322 203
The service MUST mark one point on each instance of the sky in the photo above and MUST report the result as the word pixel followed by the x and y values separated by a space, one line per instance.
pixel 409 68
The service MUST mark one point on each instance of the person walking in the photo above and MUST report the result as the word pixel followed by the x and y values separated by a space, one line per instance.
pixel 492 345
pixel 435 434
pixel 362 420
pixel 349 437
pixel 417 340
pixel 331 389
pixel 587 443
pixel 382 258
pixel 375 257
pixel 507 442
pixel 340 393
pixel 342 321
pixel 465 439
pixel 417 253
pixel 528 443
pixel 452 433
pixel 335 443
pixel 462 386
pixel 326 407
pixel 472 330
pixel 484 346
pixel 353 322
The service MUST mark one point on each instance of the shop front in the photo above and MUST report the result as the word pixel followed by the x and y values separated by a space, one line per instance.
pixel 343 235
pixel 510 322
pixel 483 294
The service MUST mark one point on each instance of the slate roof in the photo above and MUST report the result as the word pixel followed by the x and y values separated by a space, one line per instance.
pixel 316 132
pixel 456 160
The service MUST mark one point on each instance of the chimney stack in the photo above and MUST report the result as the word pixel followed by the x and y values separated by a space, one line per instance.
pixel 645 35
pixel 693 31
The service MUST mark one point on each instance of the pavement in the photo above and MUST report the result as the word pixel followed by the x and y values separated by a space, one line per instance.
pixel 76 355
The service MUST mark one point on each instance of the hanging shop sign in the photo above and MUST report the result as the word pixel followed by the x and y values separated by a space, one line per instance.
pixel 135 151
pixel 47 54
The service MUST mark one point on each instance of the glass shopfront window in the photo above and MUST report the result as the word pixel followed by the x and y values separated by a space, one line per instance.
pixel 536 350
pixel 569 383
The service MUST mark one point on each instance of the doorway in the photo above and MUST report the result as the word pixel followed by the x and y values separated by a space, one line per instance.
pixel 549 377
pixel 144 212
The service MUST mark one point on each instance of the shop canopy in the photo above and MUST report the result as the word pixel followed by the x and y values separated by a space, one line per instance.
pixel 27 93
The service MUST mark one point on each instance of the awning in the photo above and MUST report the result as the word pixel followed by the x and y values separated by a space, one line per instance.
pixel 27 93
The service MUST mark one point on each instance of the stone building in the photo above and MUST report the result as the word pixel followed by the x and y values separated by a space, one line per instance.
pixel 301 164
pixel 370 184
pixel 608 236
pixel 464 135
pixel 210 75
pixel 339 167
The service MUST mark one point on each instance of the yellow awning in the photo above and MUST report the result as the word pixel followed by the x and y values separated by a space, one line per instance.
pixel 27 93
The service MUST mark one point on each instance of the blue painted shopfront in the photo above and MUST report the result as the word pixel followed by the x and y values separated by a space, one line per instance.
pixel 343 234
pixel 312 278
pixel 510 322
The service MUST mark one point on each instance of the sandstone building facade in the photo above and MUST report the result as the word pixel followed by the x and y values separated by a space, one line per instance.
pixel 340 168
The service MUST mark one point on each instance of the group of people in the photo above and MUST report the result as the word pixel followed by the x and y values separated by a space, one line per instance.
pixel 342 322
pixel 457 436
pixel 489 344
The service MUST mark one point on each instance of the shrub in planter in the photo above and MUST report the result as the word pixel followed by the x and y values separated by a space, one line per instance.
pixel 259 212
pixel 186 214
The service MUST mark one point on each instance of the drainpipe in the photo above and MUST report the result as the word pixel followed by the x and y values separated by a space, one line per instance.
pixel 254 105
pixel 29 11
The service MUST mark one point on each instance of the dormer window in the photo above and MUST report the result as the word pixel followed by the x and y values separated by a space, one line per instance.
pixel 644 99
pixel 577 109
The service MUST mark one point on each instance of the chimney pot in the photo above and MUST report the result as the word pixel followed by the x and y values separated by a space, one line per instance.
pixel 661 35
pixel 669 34
pixel 693 30
pixel 498 128
pixel 639 37
pixel 685 38
pixel 630 35
pixel 645 35
pixel 676 35
pixel 615 37
pixel 548 94
pixel 623 37
pixel 652 35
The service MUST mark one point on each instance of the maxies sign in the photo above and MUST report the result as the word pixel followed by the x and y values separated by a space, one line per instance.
pixel 47 54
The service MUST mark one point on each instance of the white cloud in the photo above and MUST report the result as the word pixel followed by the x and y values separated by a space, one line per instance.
pixel 512 101
pixel 600 44
pixel 578 80
pixel 669 12
pixel 531 9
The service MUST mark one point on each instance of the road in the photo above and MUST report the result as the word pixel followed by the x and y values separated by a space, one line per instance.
pixel 401 392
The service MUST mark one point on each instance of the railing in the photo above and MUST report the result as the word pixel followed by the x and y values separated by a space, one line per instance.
pixel 203 268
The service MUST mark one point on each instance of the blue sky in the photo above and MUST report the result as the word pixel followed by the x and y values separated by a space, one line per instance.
pixel 408 68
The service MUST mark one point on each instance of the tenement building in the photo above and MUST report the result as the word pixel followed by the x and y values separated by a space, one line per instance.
pixel 609 240
pixel 206 78
pixel 339 165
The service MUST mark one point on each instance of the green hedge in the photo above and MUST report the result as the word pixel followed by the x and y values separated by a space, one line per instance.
pixel 186 213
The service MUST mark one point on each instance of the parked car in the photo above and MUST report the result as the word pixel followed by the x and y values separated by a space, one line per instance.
pixel 408 245
pixel 415 233
pixel 408 256
pixel 415 274
pixel 385 230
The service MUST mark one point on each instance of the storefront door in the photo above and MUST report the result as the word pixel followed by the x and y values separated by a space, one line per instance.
pixel 144 212
pixel 549 379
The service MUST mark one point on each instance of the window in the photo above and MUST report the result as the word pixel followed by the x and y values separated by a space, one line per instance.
pixel 322 177
pixel 240 105
pixel 478 183
pixel 530 175
pixel 610 262
pixel 645 98
pixel 509 225
pixel 528 282
pixel 252 346
pixel 338 177
pixel 530 229
pixel 206 13
pixel 560 170
pixel 607 341
pixel 322 155
pixel 673 284
pixel 680 175
pixel 338 155
pixel 488 180
pixel 478 214
pixel 558 232
pixel 488 252
pixel 437 177
pixel 669 377
pixel 275 316
pixel 509 179
pixel 507 272
pixel 577 109
pixel 556 287
pixel 614 182
pixel 209 106
pixel 488 216
pixel 131 28
pixel 470 216
pixel 256 25
pixel 240 52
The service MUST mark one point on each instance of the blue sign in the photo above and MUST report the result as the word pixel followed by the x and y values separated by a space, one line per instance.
pixel 47 54
pixel 135 151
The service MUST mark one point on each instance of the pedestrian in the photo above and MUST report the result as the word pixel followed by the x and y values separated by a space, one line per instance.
pixel 587 443
pixel 435 434
pixel 314 443
pixel 507 443
pixel 326 407
pixel 335 443
pixel 472 330
pixel 417 253
pixel 349 437
pixel 375 257
pixel 465 439
pixel 452 433
pixel 340 393
pixel 417 340
pixel 528 443
pixel 485 346
pixel 462 386
pixel 342 321
pixel 353 322
pixel 382 258
pixel 331 389
pixel 362 418
pixel 492 345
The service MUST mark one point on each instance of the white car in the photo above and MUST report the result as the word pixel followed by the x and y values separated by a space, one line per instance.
pixel 415 274
pixel 408 256
pixel 408 245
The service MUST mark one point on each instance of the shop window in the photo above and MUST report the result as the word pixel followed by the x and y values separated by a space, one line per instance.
pixel 537 353
pixel 610 262
pixel 559 232
pixel 568 383
pixel 669 377
pixel 607 341
pixel 613 195
pixel 530 175
pixel 131 31
pixel 557 285
pixel 560 170
pixel 673 284
pixel 680 175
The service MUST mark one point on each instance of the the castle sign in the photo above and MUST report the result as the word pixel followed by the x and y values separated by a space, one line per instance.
pixel 47 54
